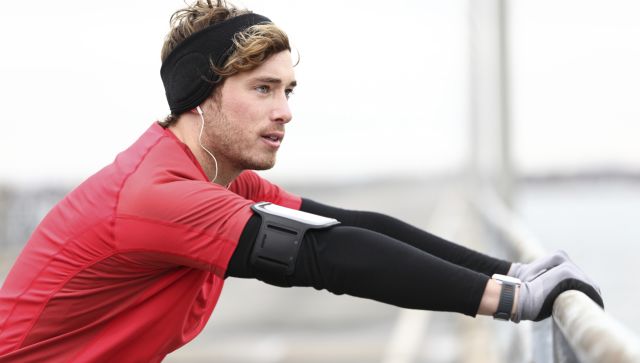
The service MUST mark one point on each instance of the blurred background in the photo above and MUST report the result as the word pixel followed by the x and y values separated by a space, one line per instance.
pixel 403 107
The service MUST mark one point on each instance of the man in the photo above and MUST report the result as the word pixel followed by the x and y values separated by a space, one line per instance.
pixel 129 266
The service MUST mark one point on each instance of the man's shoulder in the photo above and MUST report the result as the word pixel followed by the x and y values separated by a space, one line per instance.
pixel 107 183
pixel 154 137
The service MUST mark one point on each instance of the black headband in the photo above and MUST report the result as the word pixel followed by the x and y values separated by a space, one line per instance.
pixel 186 72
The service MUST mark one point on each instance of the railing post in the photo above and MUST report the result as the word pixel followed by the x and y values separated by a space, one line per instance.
pixel 489 104
pixel 541 341
pixel 562 352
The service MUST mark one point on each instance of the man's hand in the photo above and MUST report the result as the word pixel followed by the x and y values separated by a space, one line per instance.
pixel 536 297
pixel 529 271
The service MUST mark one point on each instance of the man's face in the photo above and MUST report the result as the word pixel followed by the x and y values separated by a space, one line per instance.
pixel 245 120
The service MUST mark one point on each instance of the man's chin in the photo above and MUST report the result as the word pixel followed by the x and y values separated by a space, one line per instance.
pixel 261 165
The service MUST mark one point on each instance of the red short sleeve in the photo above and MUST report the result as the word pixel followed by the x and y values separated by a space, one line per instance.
pixel 253 187
pixel 178 219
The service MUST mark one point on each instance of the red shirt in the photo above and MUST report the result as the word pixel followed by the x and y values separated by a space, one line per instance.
pixel 129 266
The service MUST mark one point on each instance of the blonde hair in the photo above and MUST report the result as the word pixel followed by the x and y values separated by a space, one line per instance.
pixel 252 47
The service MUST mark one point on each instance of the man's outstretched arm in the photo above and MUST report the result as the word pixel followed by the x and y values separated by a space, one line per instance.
pixel 364 263
pixel 411 235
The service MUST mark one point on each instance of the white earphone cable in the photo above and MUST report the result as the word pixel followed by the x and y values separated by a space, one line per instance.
pixel 215 176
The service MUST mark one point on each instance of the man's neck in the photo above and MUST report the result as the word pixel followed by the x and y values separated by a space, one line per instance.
pixel 187 131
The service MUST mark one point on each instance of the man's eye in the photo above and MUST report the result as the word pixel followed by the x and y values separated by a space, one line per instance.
pixel 288 92
pixel 262 89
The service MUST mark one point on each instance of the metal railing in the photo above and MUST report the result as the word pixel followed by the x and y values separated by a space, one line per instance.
pixel 581 330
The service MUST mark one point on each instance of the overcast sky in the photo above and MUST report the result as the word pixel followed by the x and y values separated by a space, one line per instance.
pixel 382 88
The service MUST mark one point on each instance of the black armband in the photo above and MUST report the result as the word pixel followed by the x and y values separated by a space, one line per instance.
pixel 275 250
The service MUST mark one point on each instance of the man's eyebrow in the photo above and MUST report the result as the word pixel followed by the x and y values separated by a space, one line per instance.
pixel 275 81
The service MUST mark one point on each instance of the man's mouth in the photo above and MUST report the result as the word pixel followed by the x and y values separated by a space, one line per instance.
pixel 273 139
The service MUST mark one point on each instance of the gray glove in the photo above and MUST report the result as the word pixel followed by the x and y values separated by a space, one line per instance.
pixel 536 297
pixel 529 271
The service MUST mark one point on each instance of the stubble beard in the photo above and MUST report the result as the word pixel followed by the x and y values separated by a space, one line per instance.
pixel 232 146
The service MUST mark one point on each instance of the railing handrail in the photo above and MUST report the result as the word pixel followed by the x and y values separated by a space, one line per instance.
pixel 593 335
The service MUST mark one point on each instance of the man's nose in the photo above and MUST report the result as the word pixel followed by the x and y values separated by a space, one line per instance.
pixel 281 111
